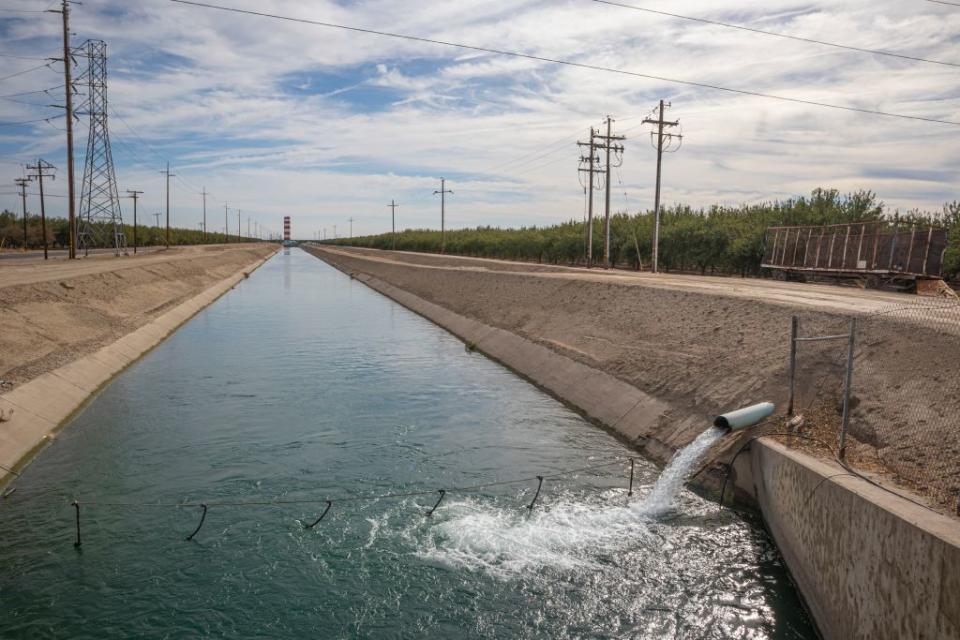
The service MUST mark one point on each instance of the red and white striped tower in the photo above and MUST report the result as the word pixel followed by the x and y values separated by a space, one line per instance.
pixel 286 228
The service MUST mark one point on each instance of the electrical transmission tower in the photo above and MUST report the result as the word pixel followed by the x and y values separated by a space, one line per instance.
pixel 608 146
pixel 393 222
pixel 22 183
pixel 662 142
pixel 443 213
pixel 100 222
pixel 592 160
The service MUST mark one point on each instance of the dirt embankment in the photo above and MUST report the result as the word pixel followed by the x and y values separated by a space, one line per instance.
pixel 707 345
pixel 53 313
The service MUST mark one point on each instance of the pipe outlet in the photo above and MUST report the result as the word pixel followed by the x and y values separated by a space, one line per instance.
pixel 745 417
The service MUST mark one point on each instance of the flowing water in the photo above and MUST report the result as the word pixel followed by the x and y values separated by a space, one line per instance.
pixel 670 483
pixel 302 384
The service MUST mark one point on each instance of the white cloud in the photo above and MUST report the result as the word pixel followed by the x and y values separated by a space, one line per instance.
pixel 224 97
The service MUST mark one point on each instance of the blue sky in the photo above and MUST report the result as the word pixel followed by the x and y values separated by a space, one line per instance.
pixel 279 118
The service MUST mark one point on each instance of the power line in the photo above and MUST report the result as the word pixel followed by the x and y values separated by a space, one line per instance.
pixel 27 93
pixel 15 124
pixel 20 73
pixel 23 102
pixel 569 63
pixel 10 55
pixel 952 4
pixel 777 35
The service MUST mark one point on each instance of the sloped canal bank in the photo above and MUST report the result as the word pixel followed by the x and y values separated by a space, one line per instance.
pixel 304 385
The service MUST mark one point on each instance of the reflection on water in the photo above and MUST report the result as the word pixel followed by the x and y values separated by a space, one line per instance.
pixel 300 384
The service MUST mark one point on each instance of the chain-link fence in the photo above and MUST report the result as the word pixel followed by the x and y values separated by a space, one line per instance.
pixel 904 402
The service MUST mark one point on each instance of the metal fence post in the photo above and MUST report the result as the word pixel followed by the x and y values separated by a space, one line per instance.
pixel 794 329
pixel 847 386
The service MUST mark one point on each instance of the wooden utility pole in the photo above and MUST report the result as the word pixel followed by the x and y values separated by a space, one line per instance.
pixel 40 167
pixel 393 222
pixel 238 226
pixel 226 223
pixel 443 213
pixel 22 183
pixel 608 146
pixel 661 123
pixel 204 194
pixel 68 106
pixel 169 175
pixel 135 195
pixel 591 161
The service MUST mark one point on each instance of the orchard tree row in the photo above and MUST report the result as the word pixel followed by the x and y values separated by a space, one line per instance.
pixel 712 240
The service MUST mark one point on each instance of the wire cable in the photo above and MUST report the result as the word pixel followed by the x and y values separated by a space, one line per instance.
pixel 10 55
pixel 569 63
pixel 386 496
pixel 20 73
pixel 16 124
pixel 777 35
pixel 27 93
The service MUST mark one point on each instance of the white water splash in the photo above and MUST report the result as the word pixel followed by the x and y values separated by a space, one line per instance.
pixel 671 481
pixel 569 533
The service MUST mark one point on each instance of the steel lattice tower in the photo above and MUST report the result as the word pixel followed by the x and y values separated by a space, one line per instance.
pixel 100 223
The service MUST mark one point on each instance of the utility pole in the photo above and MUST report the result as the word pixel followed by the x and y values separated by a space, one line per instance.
pixel 204 194
pixel 169 175
pixel 226 223
pixel 334 232
pixel 238 225
pixel 134 195
pixel 591 160
pixel 608 146
pixel 22 183
pixel 351 227
pixel 443 213
pixel 40 167
pixel 156 217
pixel 393 221
pixel 248 227
pixel 68 105
pixel 661 136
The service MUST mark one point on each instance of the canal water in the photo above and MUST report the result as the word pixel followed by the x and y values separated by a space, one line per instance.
pixel 304 385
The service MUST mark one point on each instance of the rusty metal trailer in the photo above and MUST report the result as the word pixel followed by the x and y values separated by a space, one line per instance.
pixel 877 248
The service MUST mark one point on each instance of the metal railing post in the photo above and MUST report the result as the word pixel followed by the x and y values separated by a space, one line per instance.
pixel 794 330
pixel 847 387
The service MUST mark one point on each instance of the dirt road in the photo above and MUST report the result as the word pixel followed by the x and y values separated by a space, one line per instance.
pixel 56 311
pixel 816 296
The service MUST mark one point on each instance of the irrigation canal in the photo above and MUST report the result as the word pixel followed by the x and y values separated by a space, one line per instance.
pixel 302 384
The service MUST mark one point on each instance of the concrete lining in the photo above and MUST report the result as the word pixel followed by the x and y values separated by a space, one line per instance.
pixel 868 563
pixel 43 405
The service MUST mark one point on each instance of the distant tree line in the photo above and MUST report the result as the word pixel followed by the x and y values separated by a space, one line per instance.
pixel 58 234
pixel 717 239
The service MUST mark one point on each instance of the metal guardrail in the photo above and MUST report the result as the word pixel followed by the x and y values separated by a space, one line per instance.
pixel 877 248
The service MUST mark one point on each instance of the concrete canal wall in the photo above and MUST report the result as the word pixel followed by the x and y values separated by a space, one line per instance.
pixel 33 411
pixel 868 564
